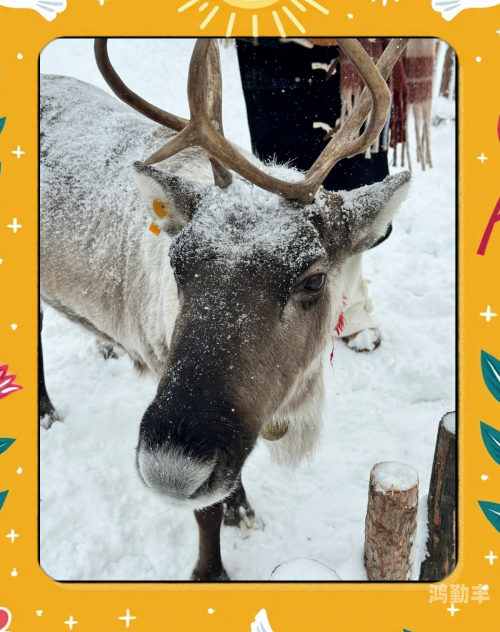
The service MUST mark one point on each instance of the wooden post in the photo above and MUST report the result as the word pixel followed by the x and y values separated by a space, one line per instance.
pixel 391 521
pixel 442 505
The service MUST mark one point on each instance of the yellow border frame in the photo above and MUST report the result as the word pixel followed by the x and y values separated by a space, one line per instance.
pixel 37 603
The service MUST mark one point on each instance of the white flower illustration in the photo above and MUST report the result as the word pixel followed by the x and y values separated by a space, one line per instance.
pixel 451 8
pixel 46 8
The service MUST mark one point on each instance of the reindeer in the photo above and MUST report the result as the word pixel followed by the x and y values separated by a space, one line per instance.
pixel 231 305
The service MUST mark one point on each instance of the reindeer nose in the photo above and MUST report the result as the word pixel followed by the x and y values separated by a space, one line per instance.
pixel 183 458
pixel 180 478
pixel 191 448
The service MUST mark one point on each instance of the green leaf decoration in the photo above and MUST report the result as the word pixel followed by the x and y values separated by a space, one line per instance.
pixel 5 444
pixel 492 512
pixel 490 367
pixel 3 496
pixel 2 123
pixel 491 438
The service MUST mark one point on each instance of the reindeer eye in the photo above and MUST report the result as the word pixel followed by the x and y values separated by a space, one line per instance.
pixel 314 283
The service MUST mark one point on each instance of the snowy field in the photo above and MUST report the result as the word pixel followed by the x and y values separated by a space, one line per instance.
pixel 97 521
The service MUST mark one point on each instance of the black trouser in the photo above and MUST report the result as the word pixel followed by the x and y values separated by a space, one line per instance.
pixel 285 96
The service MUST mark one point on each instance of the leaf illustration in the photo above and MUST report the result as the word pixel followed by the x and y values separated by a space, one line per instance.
pixel 492 512
pixel 2 123
pixel 491 438
pixel 3 496
pixel 490 367
pixel 5 444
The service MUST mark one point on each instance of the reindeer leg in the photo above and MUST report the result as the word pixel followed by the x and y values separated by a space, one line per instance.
pixel 238 512
pixel 209 566
pixel 48 413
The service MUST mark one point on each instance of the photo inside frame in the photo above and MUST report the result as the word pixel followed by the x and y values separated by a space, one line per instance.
pixel 191 330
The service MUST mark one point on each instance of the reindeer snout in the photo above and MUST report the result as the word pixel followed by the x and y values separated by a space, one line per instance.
pixel 189 458
pixel 180 478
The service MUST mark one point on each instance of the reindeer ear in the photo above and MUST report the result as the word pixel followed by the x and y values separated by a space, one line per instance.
pixel 366 212
pixel 172 201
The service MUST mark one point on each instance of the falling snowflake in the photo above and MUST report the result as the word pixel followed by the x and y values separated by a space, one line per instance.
pixel 384 2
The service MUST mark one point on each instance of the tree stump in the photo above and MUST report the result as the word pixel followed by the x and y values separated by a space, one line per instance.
pixel 442 505
pixel 391 521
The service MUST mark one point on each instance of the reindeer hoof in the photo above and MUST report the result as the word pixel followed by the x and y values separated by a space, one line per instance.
pixel 48 414
pixel 238 512
pixel 106 350
pixel 249 523
pixel 219 575
pixel 242 516
pixel 48 419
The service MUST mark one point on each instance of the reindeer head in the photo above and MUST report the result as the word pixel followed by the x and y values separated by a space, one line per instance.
pixel 257 261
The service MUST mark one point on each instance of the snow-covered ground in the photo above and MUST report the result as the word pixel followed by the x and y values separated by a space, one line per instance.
pixel 97 521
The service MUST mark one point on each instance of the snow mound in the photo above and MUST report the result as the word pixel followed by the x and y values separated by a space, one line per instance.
pixel 304 569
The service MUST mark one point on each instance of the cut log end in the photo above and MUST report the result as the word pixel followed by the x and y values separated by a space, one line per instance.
pixel 391 521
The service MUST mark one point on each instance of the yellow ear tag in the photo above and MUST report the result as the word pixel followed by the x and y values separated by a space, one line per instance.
pixel 161 209
pixel 155 229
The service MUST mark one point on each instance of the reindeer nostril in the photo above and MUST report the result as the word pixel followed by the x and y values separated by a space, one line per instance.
pixel 206 488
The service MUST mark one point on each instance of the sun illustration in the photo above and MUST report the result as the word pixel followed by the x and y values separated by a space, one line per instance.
pixel 251 4
pixel 282 15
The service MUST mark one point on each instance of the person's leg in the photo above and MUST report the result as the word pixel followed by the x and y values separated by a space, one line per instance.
pixel 359 332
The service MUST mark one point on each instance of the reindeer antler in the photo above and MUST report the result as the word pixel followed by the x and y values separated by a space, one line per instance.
pixel 342 144
pixel 205 126
pixel 205 102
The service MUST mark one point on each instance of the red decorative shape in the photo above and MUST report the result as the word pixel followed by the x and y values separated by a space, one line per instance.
pixel 7 387
pixel 339 327
pixel 495 217
pixel 5 618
